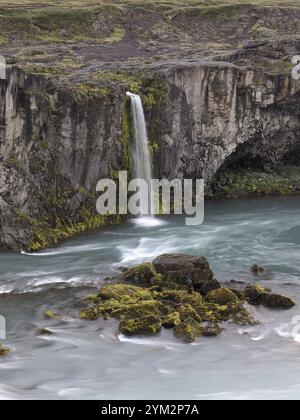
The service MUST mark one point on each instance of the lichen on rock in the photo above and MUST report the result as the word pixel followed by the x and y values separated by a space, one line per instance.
pixel 146 325
pixel 152 303
pixel 222 296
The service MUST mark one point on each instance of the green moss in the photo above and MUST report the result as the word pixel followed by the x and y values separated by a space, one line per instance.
pixel 143 274
pixel 181 310
pixel 143 308
pixel 179 296
pixel 146 325
pixel 283 180
pixel 188 330
pixel 84 92
pixel 41 234
pixel 171 320
pixel 187 311
pixel 221 296
pixel 124 293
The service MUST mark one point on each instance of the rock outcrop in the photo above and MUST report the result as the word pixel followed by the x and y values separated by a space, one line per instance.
pixel 154 302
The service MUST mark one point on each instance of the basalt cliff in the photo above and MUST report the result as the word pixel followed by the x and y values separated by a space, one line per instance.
pixel 65 122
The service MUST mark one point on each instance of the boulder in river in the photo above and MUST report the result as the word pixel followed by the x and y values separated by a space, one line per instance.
pixel 258 295
pixel 143 274
pixel 276 301
pixel 178 291
pixel 183 269
pixel 146 325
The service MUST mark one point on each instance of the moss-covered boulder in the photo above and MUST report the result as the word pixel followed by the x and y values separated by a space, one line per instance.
pixel 114 298
pixel 276 301
pixel 146 325
pixel 222 296
pixel 183 269
pixel 187 311
pixel 258 295
pixel 171 320
pixel 211 330
pixel 141 309
pixel 167 294
pixel 188 330
pixel 254 294
pixel 142 275
pixel 175 297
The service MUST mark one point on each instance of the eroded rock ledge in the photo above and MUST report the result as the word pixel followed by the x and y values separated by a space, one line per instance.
pixel 178 291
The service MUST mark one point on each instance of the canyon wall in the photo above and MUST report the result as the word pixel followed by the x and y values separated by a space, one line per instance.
pixel 214 110
pixel 58 140
pixel 55 144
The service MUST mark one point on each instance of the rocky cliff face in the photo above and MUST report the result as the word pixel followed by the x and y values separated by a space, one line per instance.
pixel 215 111
pixel 55 145
pixel 58 139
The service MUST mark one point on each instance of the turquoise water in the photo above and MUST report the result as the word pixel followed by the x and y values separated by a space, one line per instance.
pixel 90 360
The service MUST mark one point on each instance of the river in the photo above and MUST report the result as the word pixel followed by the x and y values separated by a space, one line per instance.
pixel 89 360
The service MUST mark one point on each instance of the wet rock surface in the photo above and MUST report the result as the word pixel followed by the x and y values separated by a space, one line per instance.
pixel 152 301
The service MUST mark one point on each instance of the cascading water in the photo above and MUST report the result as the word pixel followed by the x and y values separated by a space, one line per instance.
pixel 141 153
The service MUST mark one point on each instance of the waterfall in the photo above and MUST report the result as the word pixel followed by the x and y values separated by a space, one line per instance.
pixel 141 154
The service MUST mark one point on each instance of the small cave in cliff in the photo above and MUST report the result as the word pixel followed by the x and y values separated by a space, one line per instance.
pixel 245 173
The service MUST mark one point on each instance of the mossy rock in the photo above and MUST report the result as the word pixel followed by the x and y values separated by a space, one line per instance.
pixel 115 299
pixel 254 294
pixel 212 330
pixel 143 274
pixel 124 293
pixel 141 309
pixel 145 310
pixel 222 296
pixel 276 301
pixel 188 330
pixel 179 297
pixel 171 320
pixel 183 269
pixel 146 325
pixel 4 351
pixel 186 312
